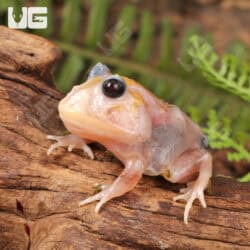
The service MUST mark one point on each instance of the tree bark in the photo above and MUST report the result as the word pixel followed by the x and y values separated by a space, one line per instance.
pixel 39 195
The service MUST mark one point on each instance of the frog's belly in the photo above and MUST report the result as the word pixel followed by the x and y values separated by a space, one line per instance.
pixel 165 145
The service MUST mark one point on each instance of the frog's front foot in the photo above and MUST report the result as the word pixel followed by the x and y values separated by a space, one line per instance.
pixel 189 194
pixel 70 141
pixel 124 183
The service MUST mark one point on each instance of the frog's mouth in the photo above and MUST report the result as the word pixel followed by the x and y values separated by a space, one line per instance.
pixel 89 127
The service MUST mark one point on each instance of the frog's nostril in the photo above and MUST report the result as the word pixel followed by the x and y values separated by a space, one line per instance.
pixel 204 142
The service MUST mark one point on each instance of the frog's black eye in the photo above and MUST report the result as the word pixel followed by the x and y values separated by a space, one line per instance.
pixel 204 142
pixel 113 87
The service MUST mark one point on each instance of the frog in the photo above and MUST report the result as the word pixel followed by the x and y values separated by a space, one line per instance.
pixel 148 136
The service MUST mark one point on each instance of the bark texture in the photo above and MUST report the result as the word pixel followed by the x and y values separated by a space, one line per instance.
pixel 39 195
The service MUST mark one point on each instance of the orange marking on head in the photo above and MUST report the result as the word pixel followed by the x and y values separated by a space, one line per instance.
pixel 130 82
pixel 92 82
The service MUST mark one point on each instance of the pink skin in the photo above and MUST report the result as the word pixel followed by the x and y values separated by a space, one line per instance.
pixel 149 136
pixel 124 183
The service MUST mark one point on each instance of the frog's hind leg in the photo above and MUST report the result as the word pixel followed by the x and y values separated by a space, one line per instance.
pixel 195 190
pixel 124 183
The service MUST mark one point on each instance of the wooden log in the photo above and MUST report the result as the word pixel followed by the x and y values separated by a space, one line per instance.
pixel 39 195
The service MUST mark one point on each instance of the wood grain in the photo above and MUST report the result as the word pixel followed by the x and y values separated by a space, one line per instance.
pixel 39 195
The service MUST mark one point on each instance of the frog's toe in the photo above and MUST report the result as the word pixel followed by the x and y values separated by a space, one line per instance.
pixel 184 196
pixel 187 188
pixel 53 147
pixel 91 199
pixel 100 204
pixel 71 147
pixel 191 194
pixel 54 137
pixel 86 149
pixel 70 141
pixel 201 198
pixel 194 194
pixel 95 197
pixel 98 197
pixel 189 197
pixel 101 197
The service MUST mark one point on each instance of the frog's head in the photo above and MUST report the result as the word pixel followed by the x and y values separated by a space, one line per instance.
pixel 107 107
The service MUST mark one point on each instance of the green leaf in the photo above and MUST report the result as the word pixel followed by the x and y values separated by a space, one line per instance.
pixel 123 30
pixel 71 20
pixel 4 9
pixel 184 57
pixel 5 4
pixel 245 178
pixel 232 75
pixel 69 72
pixel 144 43
pixel 96 22
pixel 219 135
pixel 166 44
pixel 194 114
pixel 238 49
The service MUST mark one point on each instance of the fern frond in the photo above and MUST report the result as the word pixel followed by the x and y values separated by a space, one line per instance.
pixel 245 178
pixel 219 134
pixel 69 72
pixel 71 20
pixel 5 4
pixel 123 30
pixel 144 43
pixel 189 33
pixel 73 63
pixel 238 49
pixel 230 73
pixel 96 22
pixel 166 44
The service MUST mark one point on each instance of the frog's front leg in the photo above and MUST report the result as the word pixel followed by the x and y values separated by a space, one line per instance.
pixel 195 190
pixel 70 141
pixel 123 184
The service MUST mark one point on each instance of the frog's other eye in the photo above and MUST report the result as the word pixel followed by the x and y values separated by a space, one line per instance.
pixel 204 142
pixel 113 87
pixel 99 70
